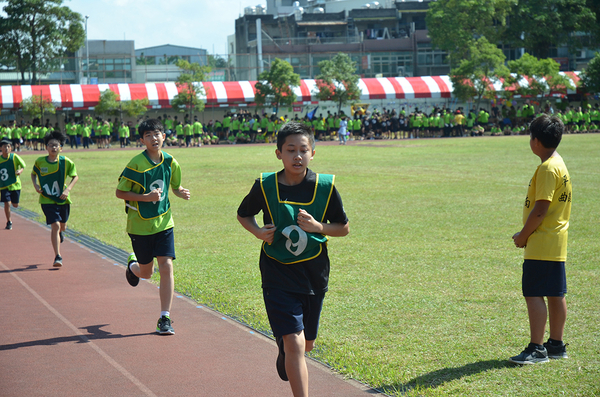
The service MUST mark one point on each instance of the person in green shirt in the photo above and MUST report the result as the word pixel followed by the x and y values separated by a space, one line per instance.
pixel 197 130
pixel 144 185
pixel 11 166
pixel 51 172
pixel 86 132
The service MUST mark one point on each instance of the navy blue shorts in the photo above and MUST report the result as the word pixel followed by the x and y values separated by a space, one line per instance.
pixel 290 313
pixel 146 248
pixel 7 196
pixel 544 278
pixel 56 213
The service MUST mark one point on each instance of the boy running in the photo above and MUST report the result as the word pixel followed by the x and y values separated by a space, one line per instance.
pixel 11 166
pixel 144 185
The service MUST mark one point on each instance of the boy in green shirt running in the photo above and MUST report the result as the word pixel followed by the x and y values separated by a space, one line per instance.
pixel 11 166
pixel 144 185
pixel 51 172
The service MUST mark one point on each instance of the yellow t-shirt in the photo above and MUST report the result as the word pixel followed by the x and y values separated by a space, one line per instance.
pixel 550 182
pixel 135 224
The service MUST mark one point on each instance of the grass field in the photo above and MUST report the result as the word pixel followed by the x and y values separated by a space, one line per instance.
pixel 425 296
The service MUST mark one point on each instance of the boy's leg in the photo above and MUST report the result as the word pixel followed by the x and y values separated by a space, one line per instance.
pixel 536 309
pixel 295 363
pixel 167 284
pixel 7 211
pixel 55 237
pixel 557 308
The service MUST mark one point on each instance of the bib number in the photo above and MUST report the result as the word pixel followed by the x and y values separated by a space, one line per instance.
pixel 298 247
pixel 3 174
pixel 55 190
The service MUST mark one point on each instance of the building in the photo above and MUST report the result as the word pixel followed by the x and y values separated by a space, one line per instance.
pixel 157 64
pixel 110 61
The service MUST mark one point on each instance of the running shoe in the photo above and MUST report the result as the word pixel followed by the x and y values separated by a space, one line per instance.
pixel 8 226
pixel 556 351
pixel 132 279
pixel 58 261
pixel 531 355
pixel 163 326
pixel 281 359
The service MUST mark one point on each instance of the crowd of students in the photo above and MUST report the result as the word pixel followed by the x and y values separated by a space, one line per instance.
pixel 245 127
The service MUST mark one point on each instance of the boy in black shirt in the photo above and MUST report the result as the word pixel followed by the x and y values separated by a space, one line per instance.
pixel 300 208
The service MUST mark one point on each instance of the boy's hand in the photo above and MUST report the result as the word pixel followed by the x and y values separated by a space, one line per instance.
pixel 65 194
pixel 154 195
pixel 182 193
pixel 308 223
pixel 519 243
pixel 266 233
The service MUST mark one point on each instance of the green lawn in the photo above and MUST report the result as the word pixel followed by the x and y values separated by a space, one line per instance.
pixel 425 290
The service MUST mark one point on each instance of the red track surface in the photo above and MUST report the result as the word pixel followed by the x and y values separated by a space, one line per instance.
pixel 81 330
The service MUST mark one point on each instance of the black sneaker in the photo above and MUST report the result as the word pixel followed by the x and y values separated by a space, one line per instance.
pixel 163 326
pixel 531 355
pixel 281 359
pixel 57 261
pixel 132 279
pixel 556 351
pixel 8 226
pixel 62 237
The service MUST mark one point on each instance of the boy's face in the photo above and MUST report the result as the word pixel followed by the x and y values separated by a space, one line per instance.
pixel 153 140
pixel 53 147
pixel 296 154
pixel 6 149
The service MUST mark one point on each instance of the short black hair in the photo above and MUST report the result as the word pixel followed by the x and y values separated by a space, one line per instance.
pixel 5 141
pixel 55 134
pixel 548 130
pixel 150 125
pixel 294 128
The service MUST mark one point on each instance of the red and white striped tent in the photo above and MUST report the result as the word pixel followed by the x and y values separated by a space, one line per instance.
pixel 224 94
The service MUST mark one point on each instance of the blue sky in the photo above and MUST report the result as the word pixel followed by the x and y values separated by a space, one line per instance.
pixel 191 23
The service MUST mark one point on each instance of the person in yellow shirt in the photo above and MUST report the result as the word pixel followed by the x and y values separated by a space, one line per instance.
pixel 544 237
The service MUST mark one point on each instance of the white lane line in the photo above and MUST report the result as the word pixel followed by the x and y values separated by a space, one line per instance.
pixel 101 352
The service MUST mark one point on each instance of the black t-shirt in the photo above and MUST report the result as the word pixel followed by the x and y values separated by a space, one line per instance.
pixel 308 277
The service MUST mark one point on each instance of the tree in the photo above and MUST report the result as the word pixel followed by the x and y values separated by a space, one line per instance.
pixel 217 62
pixel 542 74
pixel 110 104
pixel 36 106
pixel 189 89
pixel 455 25
pixel 274 86
pixel 36 32
pixel 475 74
pixel 590 77
pixel 539 25
pixel 338 80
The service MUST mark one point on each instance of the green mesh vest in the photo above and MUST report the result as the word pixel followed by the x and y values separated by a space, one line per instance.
pixel 157 176
pixel 7 171
pixel 291 244
pixel 52 183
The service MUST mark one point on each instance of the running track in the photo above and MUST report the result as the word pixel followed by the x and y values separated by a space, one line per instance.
pixel 81 330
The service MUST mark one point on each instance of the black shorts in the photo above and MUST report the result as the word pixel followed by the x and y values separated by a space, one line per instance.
pixel 7 196
pixel 56 213
pixel 544 278
pixel 290 313
pixel 146 248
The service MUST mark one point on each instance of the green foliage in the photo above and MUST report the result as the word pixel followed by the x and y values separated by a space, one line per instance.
pixel 274 86
pixel 189 90
pixel 217 62
pixel 474 75
pixel 338 81
pixel 34 32
pixel 538 25
pixel 111 105
pixel 542 74
pixel 590 76
pixel 36 107
pixel 455 25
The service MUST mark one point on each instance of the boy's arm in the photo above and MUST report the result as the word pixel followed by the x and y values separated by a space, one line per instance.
pixel 153 195
pixel 37 187
pixel 311 225
pixel 534 220
pixel 182 193
pixel 264 233
pixel 65 193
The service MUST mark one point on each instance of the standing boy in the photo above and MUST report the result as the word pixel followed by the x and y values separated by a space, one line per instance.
pixel 11 166
pixel 144 185
pixel 51 172
pixel 300 209
pixel 544 237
